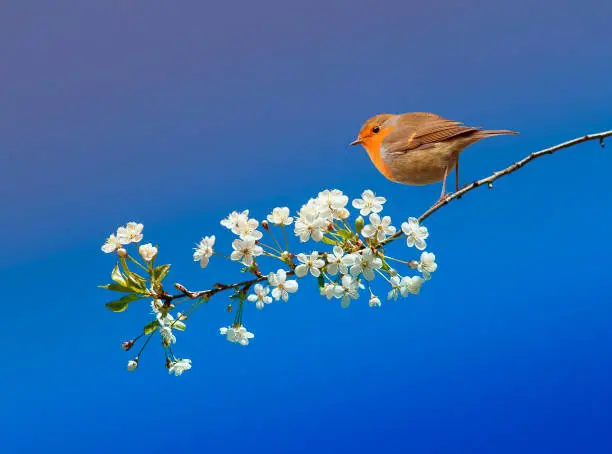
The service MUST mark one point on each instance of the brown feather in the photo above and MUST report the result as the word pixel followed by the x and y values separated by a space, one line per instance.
pixel 419 130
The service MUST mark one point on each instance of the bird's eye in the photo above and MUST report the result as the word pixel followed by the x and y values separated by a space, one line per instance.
pixel 376 129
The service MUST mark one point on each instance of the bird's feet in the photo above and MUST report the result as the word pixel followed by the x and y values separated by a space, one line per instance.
pixel 444 198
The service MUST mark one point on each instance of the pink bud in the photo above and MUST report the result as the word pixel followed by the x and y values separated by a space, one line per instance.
pixel 127 345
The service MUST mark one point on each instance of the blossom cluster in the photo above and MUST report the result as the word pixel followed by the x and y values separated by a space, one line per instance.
pixel 347 259
pixel 135 287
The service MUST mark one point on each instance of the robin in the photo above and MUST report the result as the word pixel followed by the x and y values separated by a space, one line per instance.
pixel 418 148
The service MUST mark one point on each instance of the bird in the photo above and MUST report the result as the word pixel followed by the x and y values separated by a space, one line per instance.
pixel 419 148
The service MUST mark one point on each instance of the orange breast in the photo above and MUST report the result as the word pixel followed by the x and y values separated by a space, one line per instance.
pixel 372 145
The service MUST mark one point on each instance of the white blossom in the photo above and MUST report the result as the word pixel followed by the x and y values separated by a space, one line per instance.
pixel 111 244
pixel 332 290
pixel 310 263
pixel 366 263
pixel 352 262
pixel 232 220
pixel 245 251
pixel 169 321
pixel 167 336
pixel 282 287
pixel 410 285
pixel 204 250
pixel 247 229
pixel 378 227
pixel 347 261
pixel 416 234
pixel 333 260
pixel 237 334
pixel 395 287
pixel 147 251
pixel 369 203
pixel 280 216
pixel 374 301
pixel 332 204
pixel 260 296
pixel 156 305
pixel 131 233
pixel 427 264
pixel 310 225
pixel 180 366
pixel 348 291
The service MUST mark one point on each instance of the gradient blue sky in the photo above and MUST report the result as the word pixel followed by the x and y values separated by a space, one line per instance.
pixel 173 114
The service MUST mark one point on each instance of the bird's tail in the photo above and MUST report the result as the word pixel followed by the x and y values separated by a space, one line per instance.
pixel 496 132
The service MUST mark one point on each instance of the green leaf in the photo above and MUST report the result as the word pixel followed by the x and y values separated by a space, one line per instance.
pixel 136 283
pixel 345 234
pixel 117 306
pixel 327 240
pixel 118 277
pixel 138 277
pixel 160 272
pixel 179 325
pixel 150 327
pixel 126 270
pixel 115 287
pixel 121 304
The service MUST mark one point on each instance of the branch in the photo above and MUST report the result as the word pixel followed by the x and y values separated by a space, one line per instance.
pixel 457 195
pixel 513 168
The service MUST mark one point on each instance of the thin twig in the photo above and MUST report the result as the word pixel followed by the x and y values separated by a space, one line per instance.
pixel 456 195
pixel 217 288
pixel 513 168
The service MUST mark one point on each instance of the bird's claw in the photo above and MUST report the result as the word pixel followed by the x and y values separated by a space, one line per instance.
pixel 443 199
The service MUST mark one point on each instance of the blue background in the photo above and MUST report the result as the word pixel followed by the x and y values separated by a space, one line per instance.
pixel 173 114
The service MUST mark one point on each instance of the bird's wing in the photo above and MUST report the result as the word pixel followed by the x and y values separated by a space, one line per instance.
pixel 420 130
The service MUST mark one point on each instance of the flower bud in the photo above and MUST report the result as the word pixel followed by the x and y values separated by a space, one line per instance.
pixel 359 223
pixel 132 364
pixel 121 252
pixel 265 224
pixel 374 301
pixel 127 345
pixel 147 251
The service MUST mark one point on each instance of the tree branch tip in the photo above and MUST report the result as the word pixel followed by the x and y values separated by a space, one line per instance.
pixel 181 288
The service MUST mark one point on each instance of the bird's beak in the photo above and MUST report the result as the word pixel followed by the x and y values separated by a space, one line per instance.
pixel 355 142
